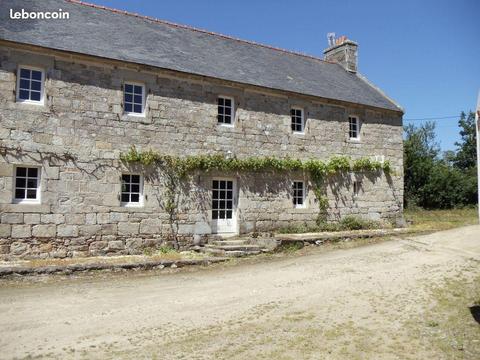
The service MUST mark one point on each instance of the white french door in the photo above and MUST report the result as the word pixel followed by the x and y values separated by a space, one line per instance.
pixel 224 218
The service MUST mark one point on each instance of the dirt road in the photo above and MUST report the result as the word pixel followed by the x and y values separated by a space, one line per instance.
pixel 381 301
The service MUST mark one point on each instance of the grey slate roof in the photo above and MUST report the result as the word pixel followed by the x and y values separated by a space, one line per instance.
pixel 114 35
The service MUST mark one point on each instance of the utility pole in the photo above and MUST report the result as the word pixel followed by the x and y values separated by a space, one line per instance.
pixel 477 127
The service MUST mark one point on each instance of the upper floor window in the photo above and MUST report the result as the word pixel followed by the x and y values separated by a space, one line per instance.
pixel 298 123
pixel 353 128
pixel 30 85
pixel 134 99
pixel 132 190
pixel 298 194
pixel 225 110
pixel 27 184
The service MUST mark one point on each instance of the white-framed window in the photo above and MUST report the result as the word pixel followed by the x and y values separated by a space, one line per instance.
pixel 353 128
pixel 226 109
pixel 134 98
pixel 298 121
pixel 30 85
pixel 357 185
pixel 26 184
pixel 132 190
pixel 298 193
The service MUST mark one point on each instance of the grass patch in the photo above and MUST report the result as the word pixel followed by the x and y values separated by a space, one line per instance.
pixel 347 223
pixel 433 220
pixel 453 329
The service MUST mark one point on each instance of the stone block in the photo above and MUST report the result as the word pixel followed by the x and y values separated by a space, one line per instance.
pixel 89 230
pixel 12 218
pixel 75 219
pixel 31 218
pixel 150 226
pixel 127 228
pixel 5 230
pixel 90 219
pixel 116 245
pixel 44 231
pixel 67 230
pixel 18 248
pixel 21 231
pixel 52 219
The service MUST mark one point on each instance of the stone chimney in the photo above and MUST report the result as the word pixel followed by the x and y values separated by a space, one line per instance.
pixel 342 51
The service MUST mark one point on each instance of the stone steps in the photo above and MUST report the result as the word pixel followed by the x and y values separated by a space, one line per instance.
pixel 232 248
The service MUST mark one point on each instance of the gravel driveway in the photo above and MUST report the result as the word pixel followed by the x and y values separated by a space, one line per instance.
pixel 369 302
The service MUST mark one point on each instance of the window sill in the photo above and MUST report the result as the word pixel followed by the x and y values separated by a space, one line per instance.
pixel 137 115
pixel 130 205
pixel 354 140
pixel 300 133
pixel 226 125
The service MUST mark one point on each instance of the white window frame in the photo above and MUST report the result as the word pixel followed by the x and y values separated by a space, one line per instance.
pixel 232 113
pixel 42 86
pixel 144 98
pixel 38 194
pixel 304 193
pixel 357 122
pixel 357 185
pixel 140 194
pixel 302 119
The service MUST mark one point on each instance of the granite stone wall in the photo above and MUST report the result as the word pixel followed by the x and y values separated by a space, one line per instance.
pixel 77 136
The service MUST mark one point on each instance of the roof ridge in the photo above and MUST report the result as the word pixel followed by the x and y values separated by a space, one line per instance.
pixel 187 27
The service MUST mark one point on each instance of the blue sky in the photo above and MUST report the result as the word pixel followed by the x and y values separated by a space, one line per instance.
pixel 423 54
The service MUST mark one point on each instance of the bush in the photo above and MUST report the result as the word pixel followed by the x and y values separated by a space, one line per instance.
pixel 357 223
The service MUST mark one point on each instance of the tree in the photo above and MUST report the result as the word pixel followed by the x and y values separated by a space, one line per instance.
pixel 420 153
pixel 466 157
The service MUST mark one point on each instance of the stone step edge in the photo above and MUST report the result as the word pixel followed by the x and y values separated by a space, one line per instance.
pixel 143 265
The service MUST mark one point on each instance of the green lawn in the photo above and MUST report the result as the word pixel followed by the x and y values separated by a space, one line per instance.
pixel 426 220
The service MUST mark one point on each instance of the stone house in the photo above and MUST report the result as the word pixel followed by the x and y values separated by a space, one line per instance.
pixel 76 93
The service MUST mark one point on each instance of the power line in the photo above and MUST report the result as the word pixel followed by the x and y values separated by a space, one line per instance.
pixel 434 118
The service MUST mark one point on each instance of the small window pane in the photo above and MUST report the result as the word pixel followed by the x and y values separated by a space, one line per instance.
pixel 36 85
pixel 137 109
pixel 229 184
pixel 23 94
pixel 128 107
pixel 19 194
pixel 136 178
pixel 36 75
pixel 24 84
pixel 138 90
pixel 32 183
pixel 35 96
pixel 31 194
pixel 21 171
pixel 135 188
pixel 214 214
pixel 126 178
pixel 125 198
pixel 221 214
pixel 128 97
pixel 138 99
pixel 128 88
pixel 229 214
pixel 228 102
pixel 135 198
pixel 20 182
pixel 220 101
pixel 215 184
pixel 25 73
pixel 126 187
pixel 32 172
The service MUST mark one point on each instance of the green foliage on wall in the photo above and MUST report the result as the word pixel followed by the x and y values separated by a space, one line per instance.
pixel 178 168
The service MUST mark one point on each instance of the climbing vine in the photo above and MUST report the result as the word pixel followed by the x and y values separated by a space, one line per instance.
pixel 179 168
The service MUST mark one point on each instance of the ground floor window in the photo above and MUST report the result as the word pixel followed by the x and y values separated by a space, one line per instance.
pixel 298 194
pixel 132 189
pixel 27 184
pixel 222 199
